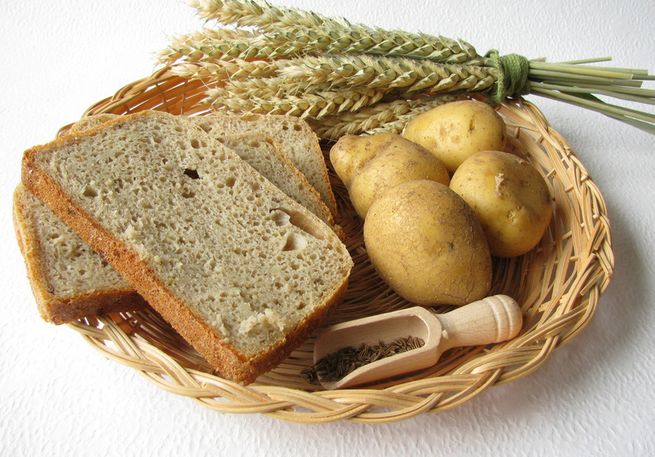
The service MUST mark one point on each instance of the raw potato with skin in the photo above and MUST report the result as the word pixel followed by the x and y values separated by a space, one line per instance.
pixel 455 131
pixel 426 243
pixel 371 165
pixel 509 197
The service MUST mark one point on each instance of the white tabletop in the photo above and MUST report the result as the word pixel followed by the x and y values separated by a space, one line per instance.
pixel 60 397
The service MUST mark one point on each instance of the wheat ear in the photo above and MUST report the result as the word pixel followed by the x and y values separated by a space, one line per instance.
pixel 189 46
pixel 226 69
pixel 395 73
pixel 376 118
pixel 309 105
pixel 286 22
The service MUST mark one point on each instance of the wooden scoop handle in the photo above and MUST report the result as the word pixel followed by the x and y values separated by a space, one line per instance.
pixel 490 320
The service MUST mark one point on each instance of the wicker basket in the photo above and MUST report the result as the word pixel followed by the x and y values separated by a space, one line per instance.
pixel 558 286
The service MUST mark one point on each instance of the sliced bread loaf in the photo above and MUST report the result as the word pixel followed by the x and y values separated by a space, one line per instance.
pixel 298 140
pixel 69 280
pixel 239 269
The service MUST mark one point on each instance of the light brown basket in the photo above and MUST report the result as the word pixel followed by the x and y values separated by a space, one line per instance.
pixel 558 286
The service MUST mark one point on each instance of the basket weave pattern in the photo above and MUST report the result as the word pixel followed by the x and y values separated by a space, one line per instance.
pixel 557 285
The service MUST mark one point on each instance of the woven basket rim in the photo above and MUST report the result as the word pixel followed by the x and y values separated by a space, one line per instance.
pixel 567 305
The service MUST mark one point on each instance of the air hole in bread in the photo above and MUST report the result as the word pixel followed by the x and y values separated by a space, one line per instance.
pixel 254 144
pixel 297 127
pixel 195 144
pixel 230 182
pixel 303 222
pixel 89 192
pixel 295 242
pixel 285 126
pixel 191 173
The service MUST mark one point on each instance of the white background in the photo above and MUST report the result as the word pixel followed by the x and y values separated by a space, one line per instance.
pixel 60 397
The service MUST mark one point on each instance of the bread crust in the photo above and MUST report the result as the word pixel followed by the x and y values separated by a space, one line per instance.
pixel 316 150
pixel 57 309
pixel 222 355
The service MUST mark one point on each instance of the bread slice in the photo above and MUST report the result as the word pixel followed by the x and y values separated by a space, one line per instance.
pixel 240 270
pixel 69 280
pixel 298 140
pixel 264 155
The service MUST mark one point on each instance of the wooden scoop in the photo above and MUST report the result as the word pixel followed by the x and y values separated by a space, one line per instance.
pixel 490 320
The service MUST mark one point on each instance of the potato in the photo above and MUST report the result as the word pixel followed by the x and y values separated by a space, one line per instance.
pixel 371 165
pixel 352 152
pixel 509 197
pixel 455 131
pixel 426 243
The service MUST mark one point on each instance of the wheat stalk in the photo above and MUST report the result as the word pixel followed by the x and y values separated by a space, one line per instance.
pixel 224 49
pixel 447 78
pixel 226 69
pixel 395 73
pixel 287 43
pixel 189 46
pixel 309 105
pixel 384 116
pixel 286 22
pixel 259 14
pixel 316 41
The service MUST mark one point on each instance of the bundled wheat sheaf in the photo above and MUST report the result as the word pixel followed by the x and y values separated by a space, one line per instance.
pixel 260 58
pixel 354 79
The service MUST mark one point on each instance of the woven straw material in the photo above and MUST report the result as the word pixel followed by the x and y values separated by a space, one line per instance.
pixel 558 285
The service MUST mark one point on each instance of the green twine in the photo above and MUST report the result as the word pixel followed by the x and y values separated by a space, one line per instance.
pixel 513 80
